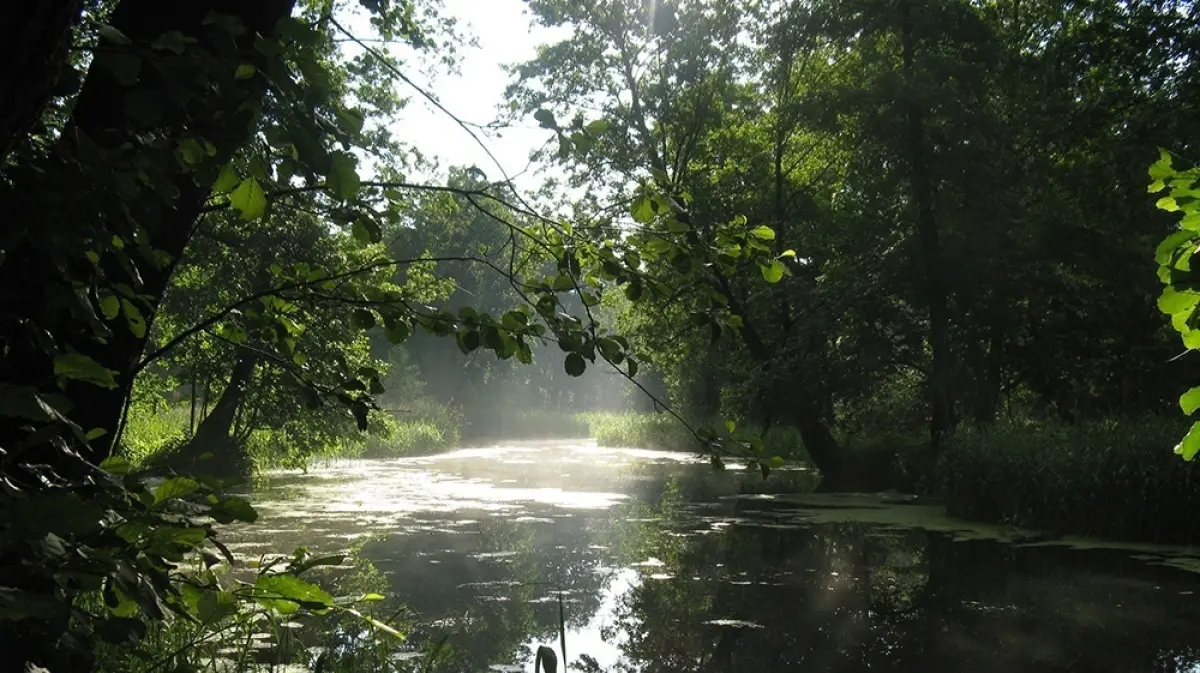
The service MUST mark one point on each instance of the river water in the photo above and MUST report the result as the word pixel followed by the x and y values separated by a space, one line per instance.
pixel 660 563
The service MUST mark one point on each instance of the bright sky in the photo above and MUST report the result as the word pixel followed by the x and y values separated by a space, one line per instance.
pixel 505 36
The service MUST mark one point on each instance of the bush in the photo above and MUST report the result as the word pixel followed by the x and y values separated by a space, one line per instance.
pixel 1116 478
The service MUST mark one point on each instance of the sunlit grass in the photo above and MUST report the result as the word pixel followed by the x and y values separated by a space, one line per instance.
pixel 663 432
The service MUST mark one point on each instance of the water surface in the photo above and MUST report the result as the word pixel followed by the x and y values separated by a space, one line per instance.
pixel 662 564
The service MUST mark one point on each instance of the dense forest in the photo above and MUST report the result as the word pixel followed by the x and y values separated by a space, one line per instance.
pixel 906 245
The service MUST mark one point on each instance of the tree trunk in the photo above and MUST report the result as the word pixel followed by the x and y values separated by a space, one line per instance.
pixel 34 44
pixel 941 399
pixel 214 435
pixel 35 278
pixel 819 442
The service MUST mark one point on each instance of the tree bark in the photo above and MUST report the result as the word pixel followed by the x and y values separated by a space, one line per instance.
pixel 36 275
pixel 215 433
pixel 941 398
pixel 35 38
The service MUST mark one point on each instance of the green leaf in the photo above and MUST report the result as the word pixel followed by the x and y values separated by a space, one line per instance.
pixel 730 426
pixel 79 367
pixel 787 254
pixel 642 210
pixel 350 120
pixel 371 597
pixel 117 465
pixel 111 34
pixel 175 488
pixel 545 119
pixel 633 367
pixel 362 318
pixel 597 127
pixel 772 272
pixel 365 230
pixel 244 71
pixel 1190 401
pixel 231 509
pixel 1190 444
pixel 1161 169
pixel 1168 204
pixel 137 323
pixel 95 433
pixel 1164 251
pixel 399 332
pixel 172 40
pixel 110 305
pixel 1174 302
pixel 190 152
pixel 575 364
pixel 216 605
pixel 286 594
pixel 226 181
pixel 763 232
pixel 249 199
pixel 775 462
pixel 342 178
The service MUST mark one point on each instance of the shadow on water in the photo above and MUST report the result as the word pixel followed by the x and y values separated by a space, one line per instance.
pixel 665 565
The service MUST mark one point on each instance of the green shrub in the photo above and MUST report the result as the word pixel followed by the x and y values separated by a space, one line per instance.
pixel 152 431
pixel 1117 478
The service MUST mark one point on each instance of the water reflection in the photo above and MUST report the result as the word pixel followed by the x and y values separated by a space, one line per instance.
pixel 661 564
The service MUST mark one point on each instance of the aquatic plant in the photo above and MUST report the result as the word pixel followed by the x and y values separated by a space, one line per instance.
pixel 1114 477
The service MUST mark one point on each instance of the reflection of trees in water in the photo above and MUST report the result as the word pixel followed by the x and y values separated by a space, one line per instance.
pixel 507 573
pixel 852 598
pixel 770 594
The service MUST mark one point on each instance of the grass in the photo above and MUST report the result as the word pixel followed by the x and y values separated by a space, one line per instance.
pixel 150 432
pixel 662 432
pixel 506 423
pixel 154 432
pixel 1115 478
pixel 409 438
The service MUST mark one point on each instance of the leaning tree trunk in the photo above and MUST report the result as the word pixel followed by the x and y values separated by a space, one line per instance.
pixel 822 448
pixel 106 157
pixel 213 450
pixel 35 40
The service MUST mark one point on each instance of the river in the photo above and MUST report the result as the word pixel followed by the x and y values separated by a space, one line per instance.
pixel 662 563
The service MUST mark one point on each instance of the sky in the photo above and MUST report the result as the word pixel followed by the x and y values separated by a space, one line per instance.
pixel 505 36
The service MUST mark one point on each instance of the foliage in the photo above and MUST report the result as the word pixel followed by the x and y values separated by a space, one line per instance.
pixel 1181 293
pixel 409 438
pixel 1107 477
pixel 992 142
pixel 662 432
pixel 152 432
pixel 278 611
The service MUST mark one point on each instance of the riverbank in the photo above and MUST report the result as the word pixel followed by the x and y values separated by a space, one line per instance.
pixel 1115 478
